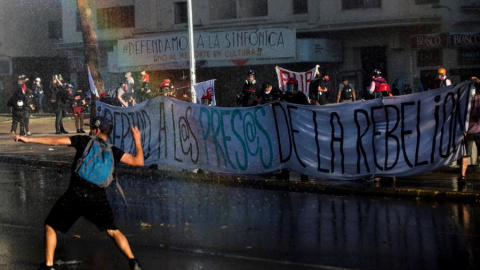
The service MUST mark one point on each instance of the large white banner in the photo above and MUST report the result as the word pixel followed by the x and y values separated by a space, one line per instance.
pixel 303 78
pixel 394 136
pixel 228 45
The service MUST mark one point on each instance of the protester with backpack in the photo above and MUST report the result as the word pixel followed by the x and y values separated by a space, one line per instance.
pixel 20 104
pixel 346 92
pixel 379 87
pixel 93 169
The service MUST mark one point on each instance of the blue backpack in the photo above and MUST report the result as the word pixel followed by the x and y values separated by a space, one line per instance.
pixel 96 164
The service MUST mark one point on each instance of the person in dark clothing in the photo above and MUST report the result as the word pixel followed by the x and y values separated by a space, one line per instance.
pixel 62 98
pixel 269 94
pixel 293 95
pixel 83 198
pixel 250 92
pixel 318 90
pixel 20 106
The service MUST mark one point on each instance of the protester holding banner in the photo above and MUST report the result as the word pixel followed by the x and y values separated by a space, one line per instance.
pixel 322 89
pixel 250 92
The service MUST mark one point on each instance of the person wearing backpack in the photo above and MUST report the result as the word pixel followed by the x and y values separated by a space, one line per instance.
pixel 378 87
pixel 20 104
pixel 84 196
pixel 346 92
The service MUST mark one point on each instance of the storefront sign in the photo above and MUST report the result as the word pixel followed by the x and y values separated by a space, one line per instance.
pixel 429 41
pixel 464 40
pixel 228 45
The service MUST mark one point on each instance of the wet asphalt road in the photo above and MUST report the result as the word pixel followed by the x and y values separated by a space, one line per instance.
pixel 180 224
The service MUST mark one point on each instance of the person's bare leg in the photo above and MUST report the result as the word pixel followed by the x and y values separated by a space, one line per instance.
pixel 121 242
pixel 465 161
pixel 50 245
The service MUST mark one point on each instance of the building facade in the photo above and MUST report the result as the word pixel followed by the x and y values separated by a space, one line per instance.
pixel 407 39
pixel 28 37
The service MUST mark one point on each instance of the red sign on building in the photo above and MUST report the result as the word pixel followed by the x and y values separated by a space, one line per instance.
pixel 429 41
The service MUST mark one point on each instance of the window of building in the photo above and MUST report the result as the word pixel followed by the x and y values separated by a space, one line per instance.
pixel 54 29
pixel 354 4
pixel 420 2
pixel 181 14
pixel 300 6
pixel 236 9
pixel 116 17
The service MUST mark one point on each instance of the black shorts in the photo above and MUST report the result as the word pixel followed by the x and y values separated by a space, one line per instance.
pixel 94 206
pixel 469 140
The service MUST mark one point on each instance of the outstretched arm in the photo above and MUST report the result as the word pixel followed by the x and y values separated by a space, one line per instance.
pixel 44 140
pixel 138 159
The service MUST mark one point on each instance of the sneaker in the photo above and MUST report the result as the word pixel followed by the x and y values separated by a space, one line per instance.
pixel 82 131
pixel 58 132
pixel 45 267
pixel 28 134
pixel 134 264
pixel 64 131
pixel 13 133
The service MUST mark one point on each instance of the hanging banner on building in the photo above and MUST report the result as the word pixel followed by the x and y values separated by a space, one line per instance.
pixel 303 78
pixel 394 136
pixel 228 45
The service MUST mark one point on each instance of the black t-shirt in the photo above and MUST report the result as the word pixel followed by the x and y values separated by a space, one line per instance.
pixel 80 142
pixel 298 98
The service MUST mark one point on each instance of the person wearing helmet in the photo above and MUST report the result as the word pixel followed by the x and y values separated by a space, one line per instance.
pixel 444 81
pixel 377 79
pixel 167 88
pixel 39 94
pixel 293 94
pixel 250 92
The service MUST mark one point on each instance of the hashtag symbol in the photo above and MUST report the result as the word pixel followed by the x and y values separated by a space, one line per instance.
pixel 125 48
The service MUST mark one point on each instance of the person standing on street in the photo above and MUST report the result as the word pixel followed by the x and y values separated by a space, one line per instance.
pixel 39 95
pixel 346 92
pixel 83 198
pixel 20 103
pixel 250 91
pixel 78 104
pixel 62 98
pixel 130 82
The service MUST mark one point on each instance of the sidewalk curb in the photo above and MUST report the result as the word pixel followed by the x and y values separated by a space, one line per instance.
pixel 277 185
